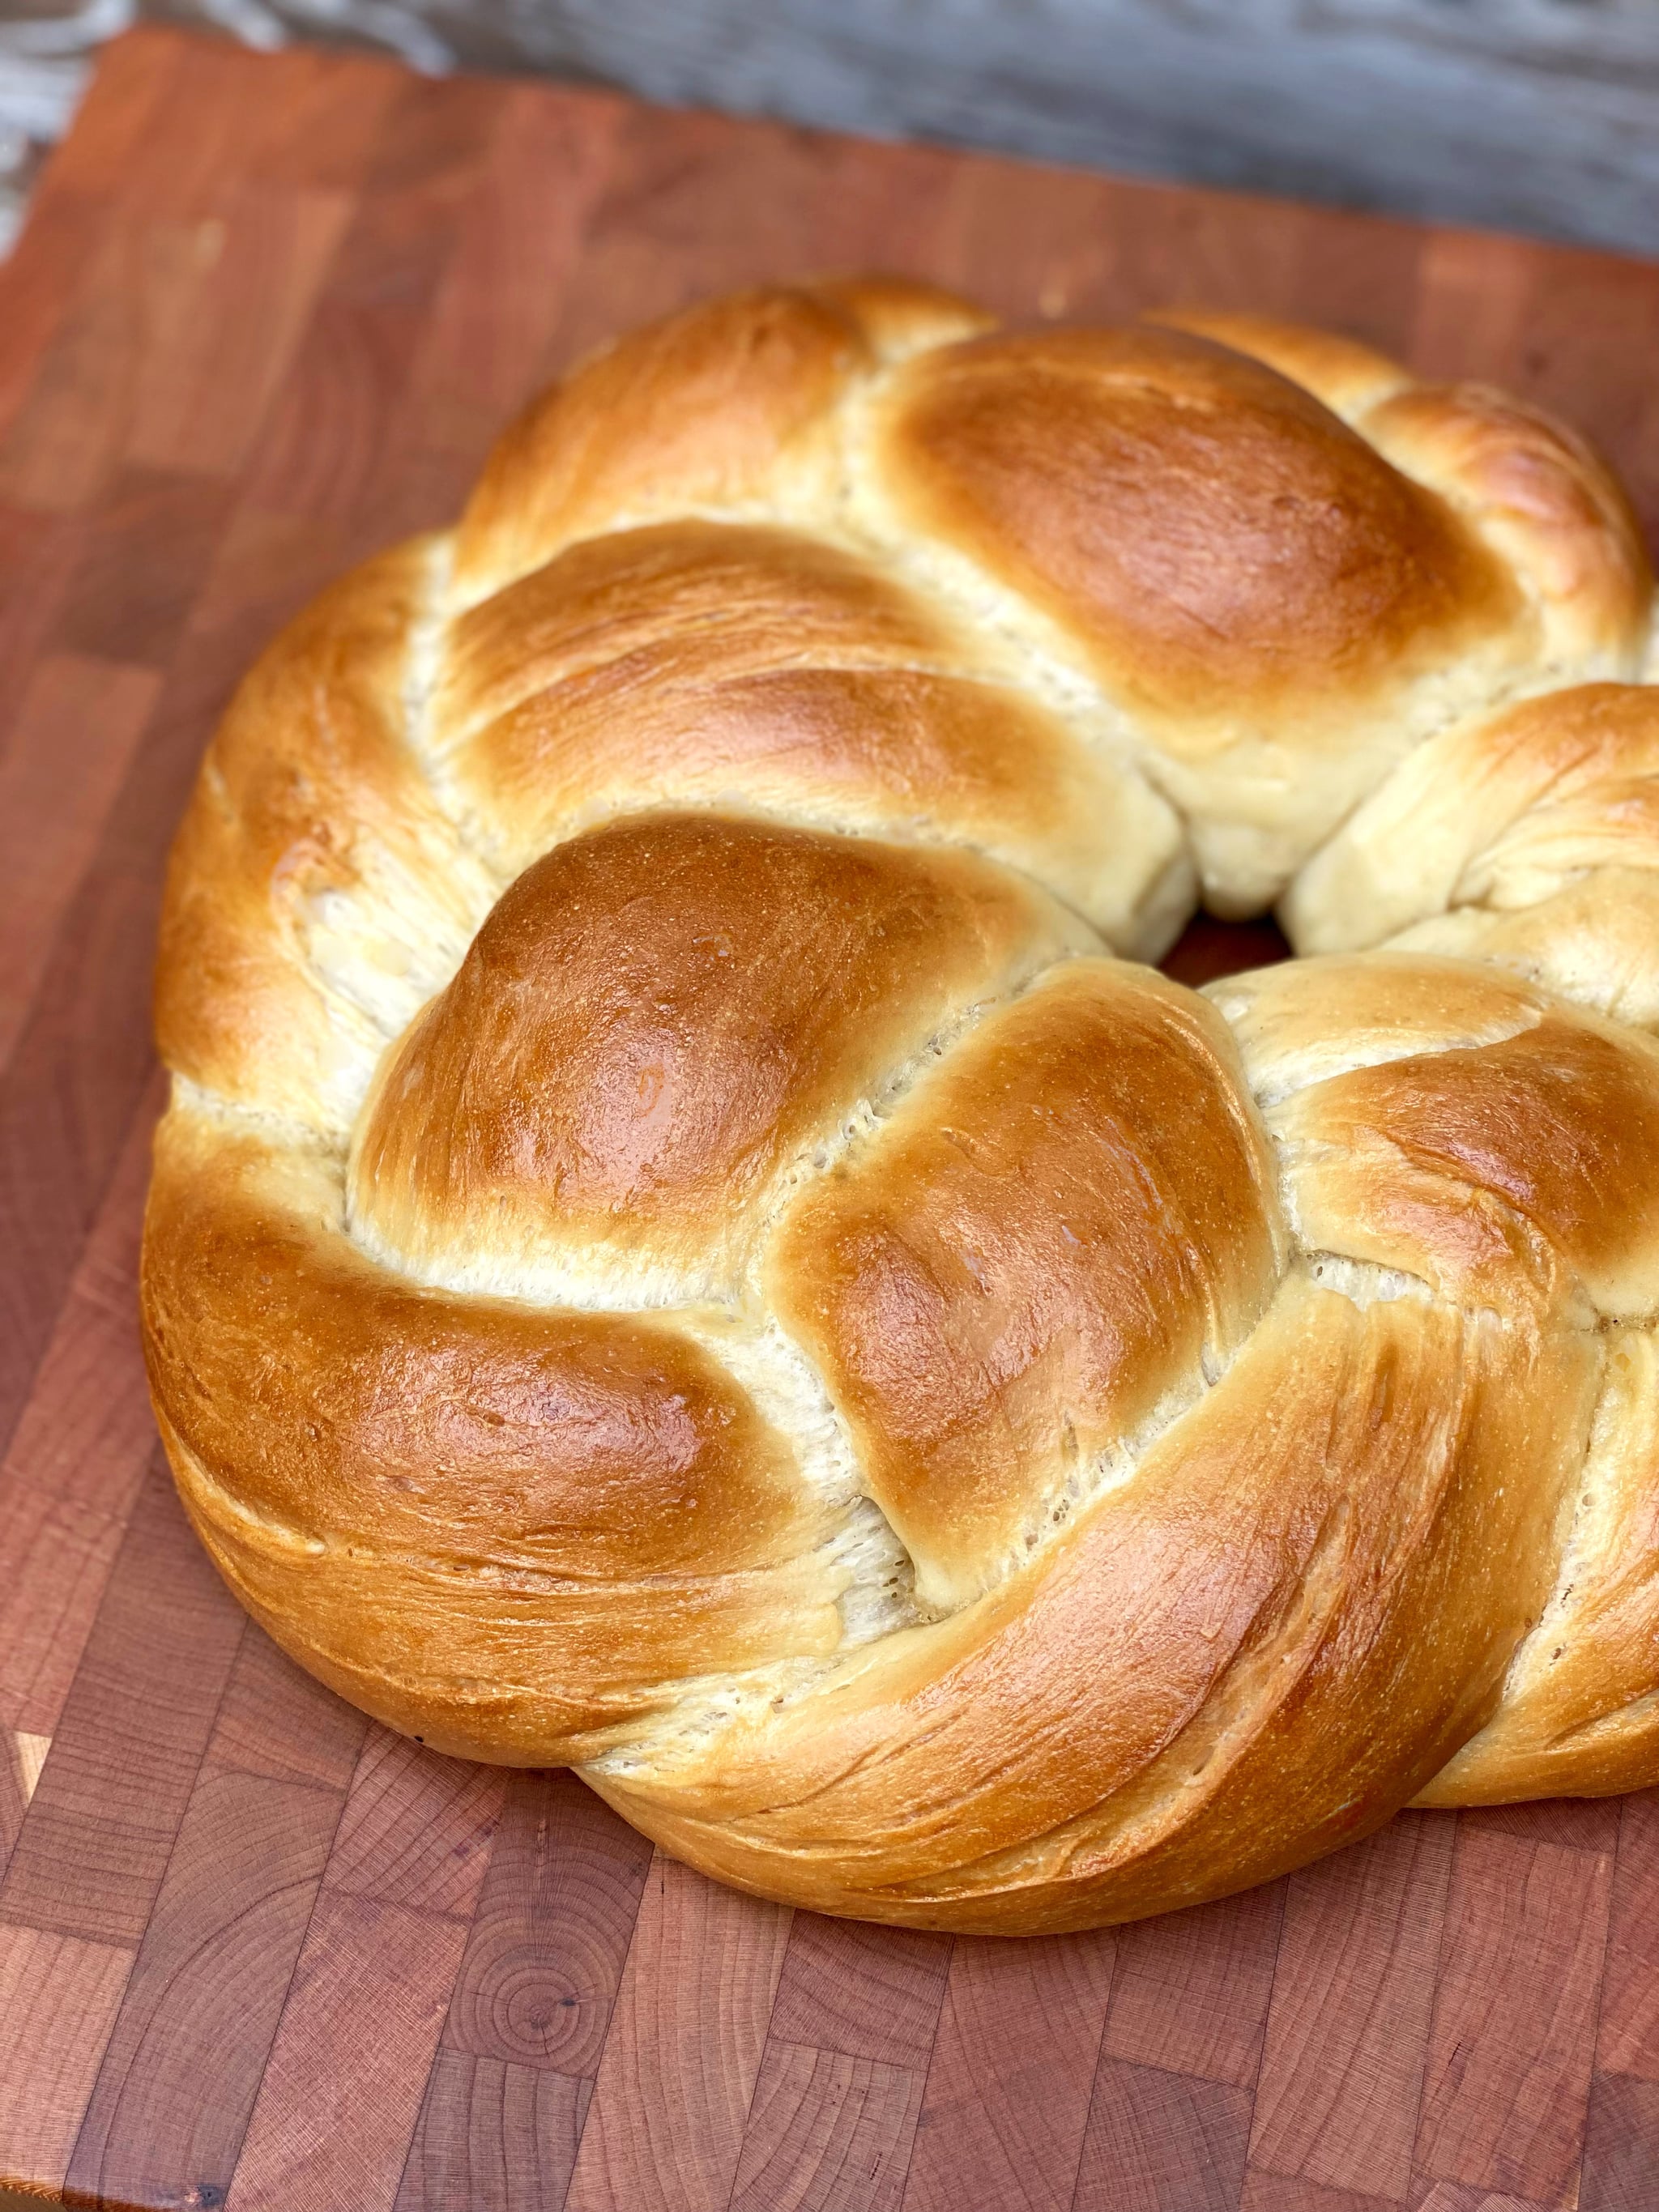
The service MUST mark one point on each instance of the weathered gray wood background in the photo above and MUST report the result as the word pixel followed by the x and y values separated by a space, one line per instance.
pixel 1538 115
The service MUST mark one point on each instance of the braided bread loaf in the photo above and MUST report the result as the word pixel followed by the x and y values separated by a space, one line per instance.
pixel 685 1244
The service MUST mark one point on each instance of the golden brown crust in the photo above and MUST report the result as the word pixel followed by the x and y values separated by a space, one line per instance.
pixel 655 1024
pixel 728 405
pixel 1580 1716
pixel 309 800
pixel 1514 1172
pixel 672 1248
pixel 1342 374
pixel 694 661
pixel 1305 1600
pixel 1034 1258
pixel 1271 604
pixel 672 605
pixel 1529 838
pixel 506 1530
pixel 1221 544
pixel 1541 498
pixel 1539 494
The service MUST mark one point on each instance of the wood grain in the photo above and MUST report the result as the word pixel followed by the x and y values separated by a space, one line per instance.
pixel 48 831
pixel 220 1948
pixel 680 2063
pixel 864 1992
pixel 340 2095
pixel 1628 2041
pixel 543 1961
pixel 1190 1992
pixel 493 2137
pixel 38 554
pixel 1013 2064
pixel 1522 116
pixel 826 2130
pixel 57 2003
pixel 1509 2057
pixel 74 1465
pixel 256 1951
pixel 1341 2078
pixel 836 2109
pixel 141 566
pixel 1621 2151
pixel 324 444
pixel 1278 2192
pixel 206 1992
pixel 1460 2197
pixel 416 1828
pixel 1510 112
pixel 1162 2143
pixel 96 1841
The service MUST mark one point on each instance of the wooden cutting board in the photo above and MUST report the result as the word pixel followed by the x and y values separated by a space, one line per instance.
pixel 267 314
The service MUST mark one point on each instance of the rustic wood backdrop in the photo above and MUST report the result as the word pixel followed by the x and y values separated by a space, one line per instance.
pixel 1536 115
pixel 1533 115
pixel 269 313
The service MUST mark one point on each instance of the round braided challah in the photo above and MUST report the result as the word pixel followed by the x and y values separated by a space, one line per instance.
pixel 685 1244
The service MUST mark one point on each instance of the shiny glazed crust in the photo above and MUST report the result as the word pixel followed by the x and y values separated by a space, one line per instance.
pixel 686 1242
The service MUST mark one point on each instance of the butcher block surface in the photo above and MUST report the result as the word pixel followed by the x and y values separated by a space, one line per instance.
pixel 267 314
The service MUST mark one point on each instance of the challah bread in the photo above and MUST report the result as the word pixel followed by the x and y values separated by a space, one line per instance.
pixel 686 1243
